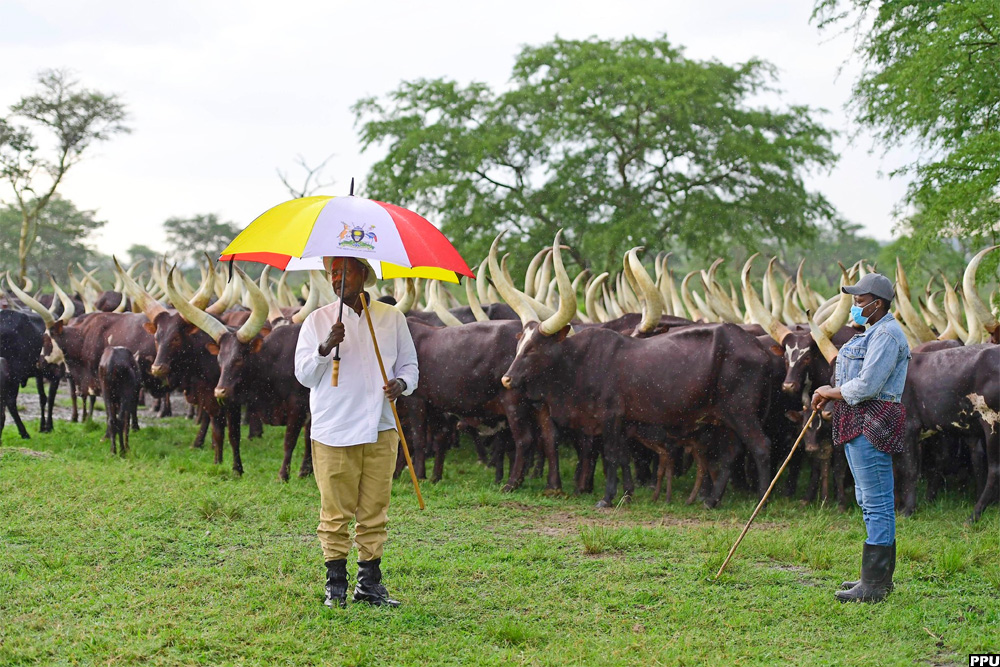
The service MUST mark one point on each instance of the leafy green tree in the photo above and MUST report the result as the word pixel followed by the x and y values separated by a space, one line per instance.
pixel 620 143
pixel 76 118
pixel 932 75
pixel 63 233
pixel 190 237
pixel 138 252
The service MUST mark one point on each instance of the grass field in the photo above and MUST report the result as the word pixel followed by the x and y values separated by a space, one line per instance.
pixel 165 559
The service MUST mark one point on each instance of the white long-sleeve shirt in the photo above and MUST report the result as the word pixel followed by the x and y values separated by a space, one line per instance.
pixel 353 412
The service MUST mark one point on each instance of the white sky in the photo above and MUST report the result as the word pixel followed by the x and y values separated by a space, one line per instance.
pixel 223 93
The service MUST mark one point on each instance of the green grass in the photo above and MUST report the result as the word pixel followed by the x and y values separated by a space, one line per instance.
pixel 163 558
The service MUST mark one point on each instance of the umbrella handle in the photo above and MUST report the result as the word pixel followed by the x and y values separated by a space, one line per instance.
pixel 335 371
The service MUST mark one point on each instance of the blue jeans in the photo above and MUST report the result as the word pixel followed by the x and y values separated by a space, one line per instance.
pixel 873 487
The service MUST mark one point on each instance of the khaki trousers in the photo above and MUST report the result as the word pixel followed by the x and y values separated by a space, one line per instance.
pixel 354 483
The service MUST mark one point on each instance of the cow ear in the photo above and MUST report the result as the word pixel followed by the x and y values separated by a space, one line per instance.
pixel 777 350
pixel 562 333
pixel 192 330
pixel 520 335
pixel 264 333
pixel 150 327
pixel 794 416
pixel 212 348
pixel 255 345
pixel 56 327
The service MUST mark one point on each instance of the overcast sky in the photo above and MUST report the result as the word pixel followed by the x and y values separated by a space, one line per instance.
pixel 221 94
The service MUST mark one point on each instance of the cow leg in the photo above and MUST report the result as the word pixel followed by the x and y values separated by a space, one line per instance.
pixel 992 489
pixel 90 411
pixel 521 429
pixel 977 463
pixel 748 430
pixel 293 428
pixel 306 468
pixel 219 423
pixel 166 410
pixel 614 458
pixel 499 444
pixel 192 411
pixel 51 403
pixel 233 424
pixel 40 386
pixel 549 437
pixel 75 416
pixel 203 422
pixel 11 399
pixel 255 425
pixel 906 465
pixel 519 419
pixel 585 475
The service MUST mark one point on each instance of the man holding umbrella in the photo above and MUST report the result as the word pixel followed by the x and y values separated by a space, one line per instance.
pixel 353 429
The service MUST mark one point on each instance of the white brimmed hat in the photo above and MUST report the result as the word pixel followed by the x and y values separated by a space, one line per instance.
pixel 369 279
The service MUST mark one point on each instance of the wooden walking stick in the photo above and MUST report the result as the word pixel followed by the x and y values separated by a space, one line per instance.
pixel 335 371
pixel 766 494
pixel 399 428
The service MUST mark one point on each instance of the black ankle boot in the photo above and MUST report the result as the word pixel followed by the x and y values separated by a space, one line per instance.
pixel 848 585
pixel 369 587
pixel 336 583
pixel 877 565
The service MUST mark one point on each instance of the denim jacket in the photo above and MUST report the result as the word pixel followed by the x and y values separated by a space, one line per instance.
pixel 872 365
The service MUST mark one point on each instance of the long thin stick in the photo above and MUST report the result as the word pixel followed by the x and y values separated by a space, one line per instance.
pixel 766 494
pixel 399 428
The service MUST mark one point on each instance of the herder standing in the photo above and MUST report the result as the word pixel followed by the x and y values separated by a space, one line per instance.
pixel 868 419
pixel 354 438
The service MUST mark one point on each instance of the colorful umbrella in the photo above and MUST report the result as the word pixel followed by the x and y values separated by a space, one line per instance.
pixel 297 234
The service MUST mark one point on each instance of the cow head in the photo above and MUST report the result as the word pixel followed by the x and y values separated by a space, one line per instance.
pixel 235 356
pixel 537 343
pixel 537 354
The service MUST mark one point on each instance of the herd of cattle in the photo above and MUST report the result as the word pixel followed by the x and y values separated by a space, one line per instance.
pixel 654 374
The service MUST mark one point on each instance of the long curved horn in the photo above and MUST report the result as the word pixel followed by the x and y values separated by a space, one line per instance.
pixel 69 308
pixel 150 307
pixel 972 300
pixel 933 314
pixel 29 286
pixel 506 289
pixel 567 297
pixel 953 311
pixel 838 318
pixel 437 305
pixel 540 291
pixel 311 302
pixel 474 305
pixel 580 280
pixel 653 307
pixel 790 313
pixel 30 302
pixel 205 289
pixel 258 310
pixel 611 306
pixel 196 316
pixel 917 326
pixel 273 309
pixel 773 290
pixel 225 300
pixel 594 311
pixel 823 342
pixel 483 283
pixel 689 304
pixel 531 274
pixel 409 296
pixel 540 308
pixel 761 316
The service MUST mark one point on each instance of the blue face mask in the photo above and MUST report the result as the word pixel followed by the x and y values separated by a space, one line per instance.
pixel 857 314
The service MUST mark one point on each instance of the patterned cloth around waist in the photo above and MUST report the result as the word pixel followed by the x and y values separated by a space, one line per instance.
pixel 882 422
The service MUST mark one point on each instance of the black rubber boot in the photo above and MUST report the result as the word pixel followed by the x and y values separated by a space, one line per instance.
pixel 336 583
pixel 369 587
pixel 877 565
pixel 848 585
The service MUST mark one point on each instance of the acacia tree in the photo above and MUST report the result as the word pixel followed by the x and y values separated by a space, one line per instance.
pixel 76 118
pixel 62 239
pixel 932 75
pixel 620 143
